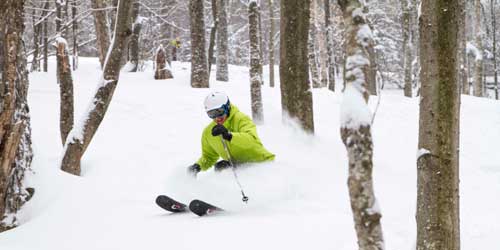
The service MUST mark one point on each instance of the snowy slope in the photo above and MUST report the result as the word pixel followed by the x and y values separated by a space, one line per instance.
pixel 152 131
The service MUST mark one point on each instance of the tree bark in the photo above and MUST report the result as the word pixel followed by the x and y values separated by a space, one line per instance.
pixel 271 43
pixel 407 48
pixel 133 56
pixel 478 72
pixel 213 33
pixel 102 30
pixel 15 129
pixel 80 136
pixel 75 35
pixel 199 69
pixel 356 126
pixel 438 225
pixel 65 81
pixel 311 50
pixel 330 59
pixel 222 49
pixel 296 95
pixel 255 64
pixel 161 71
pixel 494 31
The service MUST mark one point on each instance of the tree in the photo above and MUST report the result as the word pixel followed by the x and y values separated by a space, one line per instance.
pixel 133 46
pixel 356 126
pixel 213 33
pixel 101 29
pixel 161 69
pixel 199 70
pixel 65 81
pixel 494 31
pixel 15 129
pixel 222 49
pixel 313 57
pixel 407 46
pixel 296 95
pixel 80 136
pixel 329 48
pixel 255 63
pixel 478 74
pixel 438 225
pixel 271 43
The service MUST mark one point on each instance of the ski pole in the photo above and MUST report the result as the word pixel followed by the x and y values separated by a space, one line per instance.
pixel 245 198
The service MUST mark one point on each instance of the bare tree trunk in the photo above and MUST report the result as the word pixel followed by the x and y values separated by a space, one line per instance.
pixel 478 74
pixel 494 31
pixel 199 69
pixel 75 35
pixel 58 4
pixel 255 63
pixel 261 43
pixel 133 56
pixel 296 95
pixel 102 30
pixel 46 41
pixel 407 50
pixel 271 43
pixel 162 71
pixel 356 126
pixel 329 48
pixel 15 129
pixel 222 49
pixel 213 33
pixel 313 61
pixel 80 136
pixel 438 225
pixel 65 81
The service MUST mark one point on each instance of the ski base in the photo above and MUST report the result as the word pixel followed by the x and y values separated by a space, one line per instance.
pixel 202 208
pixel 170 204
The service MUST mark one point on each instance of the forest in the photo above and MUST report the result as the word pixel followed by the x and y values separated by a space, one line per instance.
pixel 317 79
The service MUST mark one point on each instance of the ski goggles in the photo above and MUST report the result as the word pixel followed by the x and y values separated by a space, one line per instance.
pixel 214 113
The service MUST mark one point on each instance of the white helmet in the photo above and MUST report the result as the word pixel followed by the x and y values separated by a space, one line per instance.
pixel 216 100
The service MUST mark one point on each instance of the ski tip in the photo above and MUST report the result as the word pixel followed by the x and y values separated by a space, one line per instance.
pixel 202 208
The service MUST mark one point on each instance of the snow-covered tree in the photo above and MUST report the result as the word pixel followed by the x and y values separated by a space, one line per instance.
pixel 199 68
pixel 15 127
pixel 355 127
pixel 255 64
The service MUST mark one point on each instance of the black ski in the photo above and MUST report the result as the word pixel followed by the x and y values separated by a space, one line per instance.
pixel 202 208
pixel 170 204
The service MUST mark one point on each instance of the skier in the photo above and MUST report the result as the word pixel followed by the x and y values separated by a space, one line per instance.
pixel 238 132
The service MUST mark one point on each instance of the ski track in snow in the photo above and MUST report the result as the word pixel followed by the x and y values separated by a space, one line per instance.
pixel 151 133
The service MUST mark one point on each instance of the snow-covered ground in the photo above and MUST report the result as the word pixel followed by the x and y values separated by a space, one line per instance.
pixel 151 133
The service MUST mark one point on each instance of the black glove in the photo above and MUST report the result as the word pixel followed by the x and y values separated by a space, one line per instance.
pixel 194 169
pixel 221 130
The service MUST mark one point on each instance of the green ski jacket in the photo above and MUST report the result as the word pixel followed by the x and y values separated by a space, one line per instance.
pixel 245 146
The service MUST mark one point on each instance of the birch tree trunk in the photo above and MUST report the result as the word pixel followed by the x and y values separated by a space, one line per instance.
pixel 330 59
pixel 356 126
pixel 478 69
pixel 296 95
pixel 15 129
pixel 80 136
pixel 199 69
pixel 65 81
pixel 101 28
pixel 271 43
pixel 438 224
pixel 222 48
pixel 255 63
